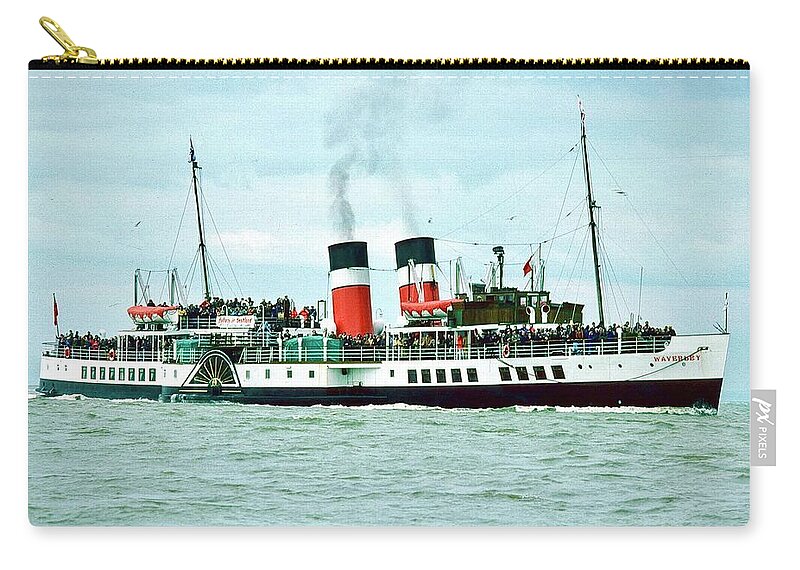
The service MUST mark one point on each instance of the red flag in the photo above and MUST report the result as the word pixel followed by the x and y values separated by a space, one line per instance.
pixel 527 267
pixel 55 311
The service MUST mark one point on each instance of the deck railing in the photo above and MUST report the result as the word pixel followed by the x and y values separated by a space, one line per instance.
pixel 503 351
pixel 254 348
pixel 102 353
pixel 209 322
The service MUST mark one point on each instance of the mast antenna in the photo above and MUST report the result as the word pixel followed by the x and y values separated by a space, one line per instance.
pixel 639 309
pixel 592 207
pixel 195 168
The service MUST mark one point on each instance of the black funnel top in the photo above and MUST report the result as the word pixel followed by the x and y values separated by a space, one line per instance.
pixel 348 254
pixel 419 249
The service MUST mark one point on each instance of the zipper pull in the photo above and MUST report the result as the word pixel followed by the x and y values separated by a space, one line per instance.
pixel 72 53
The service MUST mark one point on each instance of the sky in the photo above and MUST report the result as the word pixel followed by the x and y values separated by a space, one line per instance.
pixel 293 161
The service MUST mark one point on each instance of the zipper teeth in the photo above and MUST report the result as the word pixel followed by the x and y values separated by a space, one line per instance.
pixel 451 63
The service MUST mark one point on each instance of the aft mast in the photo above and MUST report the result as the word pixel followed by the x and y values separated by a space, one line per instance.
pixel 592 207
pixel 195 168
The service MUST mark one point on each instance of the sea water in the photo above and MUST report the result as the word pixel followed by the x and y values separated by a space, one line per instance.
pixel 146 463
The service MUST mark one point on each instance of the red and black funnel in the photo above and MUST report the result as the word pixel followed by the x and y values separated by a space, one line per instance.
pixel 416 281
pixel 350 291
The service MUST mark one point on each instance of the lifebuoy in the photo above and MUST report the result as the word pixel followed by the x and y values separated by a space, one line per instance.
pixel 67 352
pixel 506 351
pixel 112 355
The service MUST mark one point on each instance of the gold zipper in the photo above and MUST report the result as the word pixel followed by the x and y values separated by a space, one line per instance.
pixel 72 56
pixel 72 52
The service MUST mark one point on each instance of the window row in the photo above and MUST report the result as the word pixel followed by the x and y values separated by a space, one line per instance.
pixel 441 375
pixel 267 375
pixel 539 373
pixel 91 372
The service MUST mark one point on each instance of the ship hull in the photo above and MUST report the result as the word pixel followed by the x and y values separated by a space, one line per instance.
pixel 110 391
pixel 672 393
pixel 688 372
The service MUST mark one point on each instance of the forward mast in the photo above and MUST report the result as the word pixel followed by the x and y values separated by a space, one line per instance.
pixel 592 207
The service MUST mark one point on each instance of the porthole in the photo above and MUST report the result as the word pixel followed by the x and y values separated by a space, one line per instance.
pixel 683 363
pixel 620 365
pixel 580 366
pixel 651 365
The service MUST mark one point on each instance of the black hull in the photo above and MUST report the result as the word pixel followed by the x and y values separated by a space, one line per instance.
pixel 671 393
pixel 110 391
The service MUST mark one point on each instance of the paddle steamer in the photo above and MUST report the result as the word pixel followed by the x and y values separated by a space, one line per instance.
pixel 488 346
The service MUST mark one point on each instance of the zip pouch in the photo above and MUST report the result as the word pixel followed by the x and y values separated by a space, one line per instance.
pixel 388 293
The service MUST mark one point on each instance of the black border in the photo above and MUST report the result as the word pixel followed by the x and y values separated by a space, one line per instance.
pixel 389 63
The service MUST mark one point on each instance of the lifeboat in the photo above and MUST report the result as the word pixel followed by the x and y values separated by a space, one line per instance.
pixel 429 309
pixel 141 315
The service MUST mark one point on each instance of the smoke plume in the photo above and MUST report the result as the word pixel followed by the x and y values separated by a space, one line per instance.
pixel 338 182
pixel 369 127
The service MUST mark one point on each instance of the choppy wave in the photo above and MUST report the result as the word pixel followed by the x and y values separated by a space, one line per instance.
pixel 695 411
pixel 619 410
pixel 370 407
pixel 71 397
pixel 127 463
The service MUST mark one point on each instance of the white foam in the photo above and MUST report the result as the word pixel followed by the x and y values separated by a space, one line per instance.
pixel 70 397
pixel 633 410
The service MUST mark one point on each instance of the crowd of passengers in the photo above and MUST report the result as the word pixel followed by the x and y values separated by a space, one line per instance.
pixel 88 341
pixel 349 341
pixel 108 346
pixel 511 335
pixel 282 311
pixel 591 333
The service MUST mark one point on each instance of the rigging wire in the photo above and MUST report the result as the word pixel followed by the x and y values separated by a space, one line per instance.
pixel 571 243
pixel 607 263
pixel 461 253
pixel 222 274
pixel 514 194
pixel 177 235
pixel 446 277
pixel 392 270
pixel 609 237
pixel 561 211
pixel 610 286
pixel 645 224
pixel 219 238
pixel 191 271
pixel 528 243
pixel 213 277
pixel 583 248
